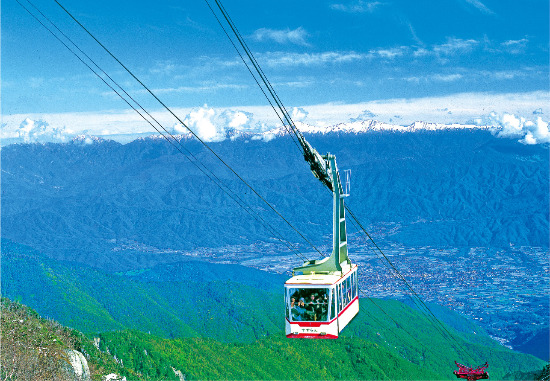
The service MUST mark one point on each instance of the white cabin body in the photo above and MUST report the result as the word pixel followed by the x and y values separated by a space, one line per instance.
pixel 319 306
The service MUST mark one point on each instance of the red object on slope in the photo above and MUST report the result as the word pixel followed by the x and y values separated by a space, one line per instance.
pixel 470 373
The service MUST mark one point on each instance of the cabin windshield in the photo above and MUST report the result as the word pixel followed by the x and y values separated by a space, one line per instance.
pixel 308 304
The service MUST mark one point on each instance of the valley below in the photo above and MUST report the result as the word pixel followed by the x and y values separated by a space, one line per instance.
pixel 106 238
pixel 506 291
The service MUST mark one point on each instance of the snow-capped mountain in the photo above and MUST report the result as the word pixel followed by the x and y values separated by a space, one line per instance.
pixel 370 125
pixel 357 127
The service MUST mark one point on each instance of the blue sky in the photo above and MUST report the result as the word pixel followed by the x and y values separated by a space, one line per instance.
pixel 314 52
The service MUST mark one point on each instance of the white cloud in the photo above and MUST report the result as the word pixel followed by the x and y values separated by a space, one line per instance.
pixel 364 115
pixel 447 77
pixel 540 131
pixel 503 74
pixel 39 131
pixel 237 119
pixel 308 59
pixel 421 52
pixel 296 84
pixel 299 114
pixel 359 6
pixel 529 139
pixel 296 36
pixel 523 41
pixel 389 53
pixel 266 137
pixel 515 46
pixel 458 46
pixel 414 35
pixel 194 89
pixel 480 6
pixel 435 78
pixel 179 129
pixel 164 68
pixel 455 46
pixel 464 108
pixel 473 75
pixel 508 125
pixel 444 52
pixel 201 122
pixel 214 123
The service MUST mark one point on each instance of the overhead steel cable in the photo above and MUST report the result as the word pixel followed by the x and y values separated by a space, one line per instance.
pixel 174 142
pixel 310 155
pixel 285 112
pixel 189 129
pixel 423 308
pixel 262 74
pixel 298 134
pixel 445 333
pixel 399 326
pixel 290 132
pixel 259 71
pixel 414 297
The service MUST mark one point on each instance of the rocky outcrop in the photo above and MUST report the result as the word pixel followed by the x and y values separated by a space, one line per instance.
pixel 178 373
pixel 75 367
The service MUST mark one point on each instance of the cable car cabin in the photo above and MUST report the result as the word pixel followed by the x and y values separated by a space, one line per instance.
pixel 320 306
pixel 323 296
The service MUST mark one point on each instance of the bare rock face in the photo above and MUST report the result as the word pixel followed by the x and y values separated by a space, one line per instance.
pixel 179 374
pixel 76 368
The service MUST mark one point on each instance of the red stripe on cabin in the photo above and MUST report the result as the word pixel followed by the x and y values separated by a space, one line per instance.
pixel 310 336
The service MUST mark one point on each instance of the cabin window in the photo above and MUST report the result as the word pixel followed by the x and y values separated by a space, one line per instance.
pixel 308 304
pixel 339 296
pixel 332 304
pixel 287 305
pixel 345 292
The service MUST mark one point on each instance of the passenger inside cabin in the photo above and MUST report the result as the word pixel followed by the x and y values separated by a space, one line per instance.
pixel 299 311
pixel 312 307
pixel 308 304
pixel 322 309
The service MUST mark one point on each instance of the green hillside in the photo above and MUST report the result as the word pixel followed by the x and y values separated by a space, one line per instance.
pixel 389 356
pixel 275 358
pixel 94 301
pixel 34 348
pixel 222 328
pixel 143 356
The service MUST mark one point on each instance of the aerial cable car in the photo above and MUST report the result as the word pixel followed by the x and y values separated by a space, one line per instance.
pixel 322 296
pixel 471 374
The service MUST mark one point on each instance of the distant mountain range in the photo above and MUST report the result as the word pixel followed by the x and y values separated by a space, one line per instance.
pixel 463 187
pixel 354 127
pixel 365 126
pixel 41 132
